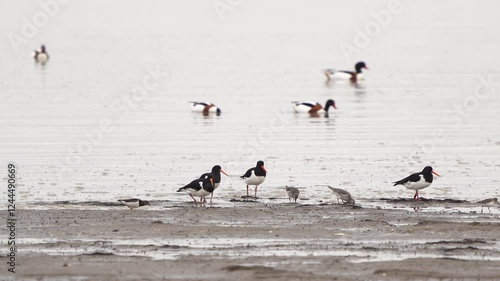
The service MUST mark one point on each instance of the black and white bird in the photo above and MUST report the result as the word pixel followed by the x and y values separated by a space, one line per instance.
pixel 292 192
pixel 490 202
pixel 41 55
pixel 255 176
pixel 205 108
pixel 343 195
pixel 201 187
pixel 134 203
pixel 216 171
pixel 312 107
pixel 353 76
pixel 418 181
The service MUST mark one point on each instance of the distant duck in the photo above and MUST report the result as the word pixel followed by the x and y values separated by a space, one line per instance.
pixel 41 55
pixel 201 187
pixel 418 181
pixel 490 202
pixel 343 195
pixel 353 76
pixel 134 203
pixel 312 107
pixel 216 171
pixel 255 176
pixel 205 108
pixel 292 192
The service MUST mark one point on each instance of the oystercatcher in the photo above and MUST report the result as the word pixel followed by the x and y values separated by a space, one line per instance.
pixel 312 107
pixel 343 195
pixel 354 76
pixel 418 181
pixel 205 108
pixel 199 187
pixel 134 203
pixel 292 192
pixel 255 176
pixel 41 55
pixel 490 202
pixel 216 170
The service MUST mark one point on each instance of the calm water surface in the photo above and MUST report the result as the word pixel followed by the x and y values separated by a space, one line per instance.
pixel 425 67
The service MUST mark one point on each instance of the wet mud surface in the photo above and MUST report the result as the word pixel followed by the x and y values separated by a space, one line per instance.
pixel 255 240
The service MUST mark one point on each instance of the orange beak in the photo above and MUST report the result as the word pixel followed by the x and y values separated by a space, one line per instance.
pixel 263 168
pixel 212 181
pixel 435 173
pixel 366 67
pixel 222 171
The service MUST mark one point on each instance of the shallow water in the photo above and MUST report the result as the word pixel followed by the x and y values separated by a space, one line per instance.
pixel 422 66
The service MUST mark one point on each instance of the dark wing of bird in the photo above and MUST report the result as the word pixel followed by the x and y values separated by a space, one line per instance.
pixel 196 103
pixel 306 104
pixel 413 178
pixel 192 185
pixel 248 173
pixel 346 71
pixel 485 201
pixel 129 200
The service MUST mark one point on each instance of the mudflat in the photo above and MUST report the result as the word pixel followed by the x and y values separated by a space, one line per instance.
pixel 253 241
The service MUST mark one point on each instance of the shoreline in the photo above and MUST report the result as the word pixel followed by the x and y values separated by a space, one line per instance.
pixel 253 241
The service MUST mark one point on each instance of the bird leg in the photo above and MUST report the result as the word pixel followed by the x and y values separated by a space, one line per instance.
pixel 202 201
pixel 327 75
pixel 482 209
pixel 415 197
pixel 195 202
pixel 211 195
pixel 247 189
pixel 256 191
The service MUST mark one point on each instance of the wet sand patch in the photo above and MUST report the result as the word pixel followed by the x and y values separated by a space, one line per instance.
pixel 270 241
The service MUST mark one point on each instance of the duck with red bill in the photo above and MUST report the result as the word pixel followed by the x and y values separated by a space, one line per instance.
pixel 312 107
pixel 353 76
